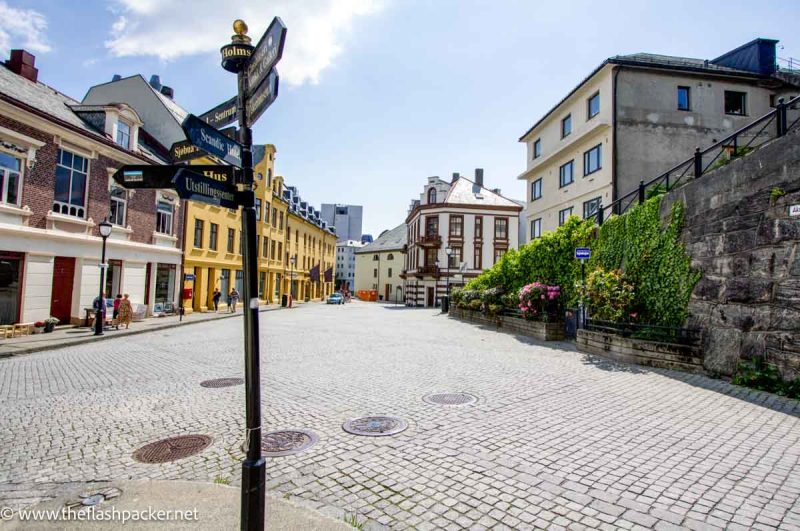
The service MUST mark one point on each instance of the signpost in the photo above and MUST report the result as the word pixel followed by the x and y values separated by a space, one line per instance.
pixel 267 53
pixel 213 185
pixel 145 176
pixel 583 254
pixel 212 141
pixel 221 115
pixel 185 150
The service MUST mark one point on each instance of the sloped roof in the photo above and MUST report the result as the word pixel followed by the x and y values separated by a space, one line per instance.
pixel 466 192
pixel 390 240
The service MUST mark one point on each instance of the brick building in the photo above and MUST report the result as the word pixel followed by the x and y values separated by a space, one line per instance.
pixel 56 161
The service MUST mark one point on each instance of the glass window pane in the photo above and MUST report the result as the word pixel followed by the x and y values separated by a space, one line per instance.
pixel 13 187
pixel 66 158
pixel 62 184
pixel 9 161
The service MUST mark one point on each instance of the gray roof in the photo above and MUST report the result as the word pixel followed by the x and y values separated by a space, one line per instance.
pixel 390 240
pixel 466 192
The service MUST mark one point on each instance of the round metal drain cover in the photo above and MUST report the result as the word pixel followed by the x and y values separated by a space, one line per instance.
pixel 375 426
pixel 287 442
pixel 450 399
pixel 222 382
pixel 173 448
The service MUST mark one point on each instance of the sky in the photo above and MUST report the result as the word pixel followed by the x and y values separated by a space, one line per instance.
pixel 378 95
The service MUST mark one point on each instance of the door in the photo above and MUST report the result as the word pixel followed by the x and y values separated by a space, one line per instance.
pixel 61 296
pixel 430 297
pixel 388 292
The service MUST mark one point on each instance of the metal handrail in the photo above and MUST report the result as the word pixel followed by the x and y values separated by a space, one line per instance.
pixel 695 163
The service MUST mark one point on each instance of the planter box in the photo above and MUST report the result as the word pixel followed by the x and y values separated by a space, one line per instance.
pixel 512 325
pixel 641 352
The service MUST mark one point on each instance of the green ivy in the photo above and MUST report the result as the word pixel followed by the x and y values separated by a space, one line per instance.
pixel 653 258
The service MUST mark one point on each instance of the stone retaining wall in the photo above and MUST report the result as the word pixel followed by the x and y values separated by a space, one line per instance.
pixel 512 325
pixel 649 353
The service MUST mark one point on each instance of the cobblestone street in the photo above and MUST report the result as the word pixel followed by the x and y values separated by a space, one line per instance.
pixel 556 440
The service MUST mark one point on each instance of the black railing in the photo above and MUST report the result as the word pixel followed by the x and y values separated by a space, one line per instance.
pixel 663 334
pixel 774 124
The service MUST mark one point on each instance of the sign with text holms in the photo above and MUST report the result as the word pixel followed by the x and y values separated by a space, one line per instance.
pixel 262 98
pixel 145 176
pixel 213 185
pixel 185 150
pixel 268 52
pixel 212 141
pixel 221 115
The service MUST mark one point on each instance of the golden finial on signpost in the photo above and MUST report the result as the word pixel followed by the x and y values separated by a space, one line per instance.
pixel 240 28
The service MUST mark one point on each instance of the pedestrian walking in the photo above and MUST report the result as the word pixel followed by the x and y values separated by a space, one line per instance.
pixel 234 298
pixel 99 303
pixel 115 315
pixel 216 298
pixel 125 312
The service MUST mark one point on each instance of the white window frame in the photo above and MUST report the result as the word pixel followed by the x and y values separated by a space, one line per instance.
pixel 21 175
pixel 117 132
pixel 171 215
pixel 68 204
pixel 123 201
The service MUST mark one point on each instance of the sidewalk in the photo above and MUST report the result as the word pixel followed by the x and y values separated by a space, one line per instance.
pixel 206 506
pixel 66 336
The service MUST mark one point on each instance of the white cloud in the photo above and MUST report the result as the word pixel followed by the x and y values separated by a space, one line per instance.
pixel 22 28
pixel 169 29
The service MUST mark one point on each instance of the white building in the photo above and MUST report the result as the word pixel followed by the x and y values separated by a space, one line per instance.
pixel 346 219
pixel 379 265
pixel 478 225
pixel 346 263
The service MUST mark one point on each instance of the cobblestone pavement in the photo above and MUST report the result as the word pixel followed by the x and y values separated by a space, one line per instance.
pixel 556 440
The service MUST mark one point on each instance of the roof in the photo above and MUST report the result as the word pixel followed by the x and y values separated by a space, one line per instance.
pixel 656 61
pixel 394 239
pixel 465 192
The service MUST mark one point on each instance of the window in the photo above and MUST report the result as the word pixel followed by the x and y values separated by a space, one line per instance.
pixel 213 231
pixel 390 272
pixel 565 174
pixel 536 228
pixel 258 243
pixel 592 160
pixel 593 106
pixel 455 257
pixel 500 228
pixel 537 148
pixel 456 226
pixel 375 257
pixel 10 178
pixel 72 172
pixel 198 233
pixel 566 126
pixel 536 189
pixel 477 257
pixel 591 207
pixel 375 273
pixel 258 209
pixel 265 248
pixel 241 241
pixel 432 195
pixel 563 215
pixel 231 238
pixel 272 250
pixel 123 134
pixel 735 102
pixel 684 103
pixel 478 227
pixel 431 226
pixel 390 257
pixel 280 225
pixel 119 200
pixel 498 254
pixel 275 213
pixel 164 211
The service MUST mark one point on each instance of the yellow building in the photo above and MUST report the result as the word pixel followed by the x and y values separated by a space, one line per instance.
pixel 214 243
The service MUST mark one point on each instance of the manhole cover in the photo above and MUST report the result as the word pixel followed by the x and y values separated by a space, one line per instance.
pixel 287 442
pixel 450 399
pixel 173 448
pixel 222 382
pixel 375 426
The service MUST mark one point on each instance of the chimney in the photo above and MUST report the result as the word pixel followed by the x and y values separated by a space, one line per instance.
pixel 168 92
pixel 496 191
pixel 455 177
pixel 479 176
pixel 155 82
pixel 21 63
pixel 116 77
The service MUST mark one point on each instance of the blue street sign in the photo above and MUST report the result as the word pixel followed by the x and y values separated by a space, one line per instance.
pixel 211 187
pixel 583 253
pixel 188 276
pixel 212 141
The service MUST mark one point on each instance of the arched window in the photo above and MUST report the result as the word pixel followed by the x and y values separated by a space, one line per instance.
pixel 390 257
pixel 375 257
pixel 432 195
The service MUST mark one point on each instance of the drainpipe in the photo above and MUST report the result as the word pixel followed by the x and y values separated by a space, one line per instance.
pixel 617 70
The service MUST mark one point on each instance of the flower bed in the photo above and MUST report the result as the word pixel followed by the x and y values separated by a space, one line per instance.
pixel 545 331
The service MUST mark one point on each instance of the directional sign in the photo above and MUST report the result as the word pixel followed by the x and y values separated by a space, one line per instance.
pixel 213 185
pixel 221 115
pixel 145 176
pixel 583 253
pixel 263 97
pixel 268 52
pixel 230 132
pixel 212 141
pixel 185 150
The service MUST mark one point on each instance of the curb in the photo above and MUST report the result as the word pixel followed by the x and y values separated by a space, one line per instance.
pixel 92 339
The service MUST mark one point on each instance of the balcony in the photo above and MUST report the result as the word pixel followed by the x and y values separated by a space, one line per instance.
pixel 403 274
pixel 428 270
pixel 430 240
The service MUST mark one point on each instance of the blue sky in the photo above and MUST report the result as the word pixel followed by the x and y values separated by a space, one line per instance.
pixel 377 95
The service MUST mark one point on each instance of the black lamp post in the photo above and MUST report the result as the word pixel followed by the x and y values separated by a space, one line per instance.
pixel 293 262
pixel 105 232
pixel 448 251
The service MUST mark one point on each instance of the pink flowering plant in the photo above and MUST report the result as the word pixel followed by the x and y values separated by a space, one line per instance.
pixel 539 301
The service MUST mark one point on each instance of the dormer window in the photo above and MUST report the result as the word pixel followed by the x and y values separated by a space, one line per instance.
pixel 432 196
pixel 123 134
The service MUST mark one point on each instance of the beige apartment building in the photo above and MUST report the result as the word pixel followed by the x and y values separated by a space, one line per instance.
pixel 379 265
pixel 636 116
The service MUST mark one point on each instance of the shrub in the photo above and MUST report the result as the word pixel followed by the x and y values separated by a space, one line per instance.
pixel 610 296
pixel 764 376
pixel 493 309
pixel 466 296
pixel 510 301
pixel 492 296
pixel 455 297
pixel 539 301
pixel 475 304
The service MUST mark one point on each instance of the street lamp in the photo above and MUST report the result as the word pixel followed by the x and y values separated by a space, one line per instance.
pixel 448 251
pixel 105 232
pixel 292 261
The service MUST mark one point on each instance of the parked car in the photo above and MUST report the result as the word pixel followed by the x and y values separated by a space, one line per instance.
pixel 336 298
